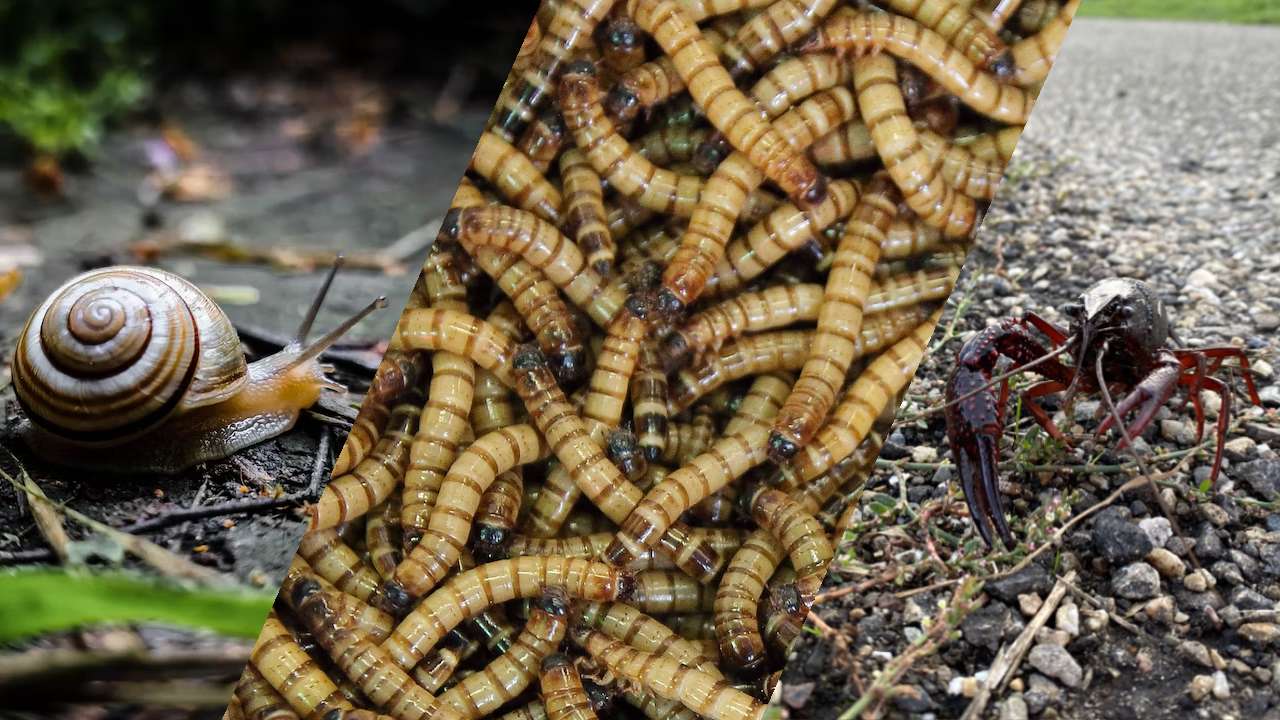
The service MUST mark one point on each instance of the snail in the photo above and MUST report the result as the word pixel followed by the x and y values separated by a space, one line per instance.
pixel 134 368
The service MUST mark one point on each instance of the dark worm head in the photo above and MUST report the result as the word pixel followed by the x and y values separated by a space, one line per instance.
pixel 781 450
pixel 570 366
pixel 555 660
pixel 302 591
pixel 1002 65
pixel 622 104
pixel 490 542
pixel 451 228
pixel 814 193
pixel 392 598
pixel 627 587
pixel 529 357
pixel 580 68
pixel 554 601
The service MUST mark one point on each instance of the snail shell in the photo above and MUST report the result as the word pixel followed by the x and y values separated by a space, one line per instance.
pixel 115 352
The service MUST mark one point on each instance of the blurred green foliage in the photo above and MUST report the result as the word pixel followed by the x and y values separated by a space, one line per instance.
pixel 1237 11
pixel 37 602
pixel 64 75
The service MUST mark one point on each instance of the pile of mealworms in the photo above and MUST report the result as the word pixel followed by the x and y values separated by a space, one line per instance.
pixel 698 255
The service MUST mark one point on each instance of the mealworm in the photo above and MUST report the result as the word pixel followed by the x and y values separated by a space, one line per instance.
pixel 496 514
pixel 469 593
pixel 352 611
pixel 258 700
pixel 1033 56
pixel 767 352
pixel 742 448
pixel 454 510
pixel 292 673
pixel 1034 15
pixel 649 402
pixel 728 109
pixel 837 338
pixel 613 157
pixel 882 379
pixel 533 710
pixel 849 143
pixel 572 25
pixel 584 214
pixel 397 372
pixel 966 172
pixel 627 624
pixel 713 219
pixel 668 679
pixel 796 78
pixel 539 243
pixel 801 537
pixel 961 29
pixel 385 685
pixel 438 667
pixel 660 592
pixel 670 144
pixel 516 178
pixel 644 87
pixel 542 141
pixel 598 478
pixel 549 511
pixel 908 237
pixel 460 334
pixel 782 231
pixel 615 364
pixel 382 536
pixel 369 484
pixel 774 307
pixel 737 601
pixel 446 415
pixel 332 560
pixel 685 441
pixel 700 10
pixel 562 692
pixel 624 452
pixel 927 50
pixel 911 288
pixel 769 33
pixel 509 674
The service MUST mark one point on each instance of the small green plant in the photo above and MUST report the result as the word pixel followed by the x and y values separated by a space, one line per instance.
pixel 60 85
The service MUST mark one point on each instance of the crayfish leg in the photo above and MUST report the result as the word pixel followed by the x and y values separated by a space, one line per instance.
pixel 1147 397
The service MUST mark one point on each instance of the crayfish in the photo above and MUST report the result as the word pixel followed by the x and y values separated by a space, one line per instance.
pixel 1119 341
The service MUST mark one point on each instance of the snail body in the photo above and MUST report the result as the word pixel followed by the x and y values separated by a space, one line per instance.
pixel 134 368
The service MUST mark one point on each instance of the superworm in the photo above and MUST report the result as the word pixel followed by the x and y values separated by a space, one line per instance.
pixel 516 178
pixel 769 33
pixel 849 143
pixel 751 355
pixel 960 28
pixel 460 334
pixel 446 415
pixel 542 141
pixel 370 482
pixel 563 696
pixel 584 214
pixel 571 26
pixel 796 78
pixel 837 338
pixel 656 81
pixel 549 511
pixel 742 447
pixel 685 441
pixel 330 557
pixel 598 478
pixel 1033 56
pixel 455 508
pixel 397 372
pixel 670 144
pixel 667 678
pixel 469 593
pixel 801 537
pixel 497 514
pixel 928 51
pixel 438 667
pixel 728 109
pixel 622 44
pixel 883 378
pixel 507 676
pixel 258 700
pixel 293 673
pixel 642 632
pixel 382 536
pixel 352 611
pixel 738 598
pixel 649 400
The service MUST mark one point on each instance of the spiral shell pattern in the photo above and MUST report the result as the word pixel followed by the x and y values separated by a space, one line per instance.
pixel 114 352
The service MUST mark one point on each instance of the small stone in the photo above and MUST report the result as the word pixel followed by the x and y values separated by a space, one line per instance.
pixel 1231 615
pixel 1261 476
pixel 1067 618
pixel 1033 578
pixel 1029 603
pixel 1166 563
pixel 1177 432
pixel 797 695
pixel 1014 708
pixel 1202 278
pixel 1196 652
pixel 1041 693
pixel 1270 395
pixel 1208 545
pixel 1200 687
pixel 1055 662
pixel 1227 572
pixel 986 626
pixel 1158 530
pixel 1249 599
pixel 1240 449
pixel 1117 539
pixel 1261 634
pixel 1198 581
pixel 1221 690
pixel 924 454
pixel 911 699
pixel 1053 637
pixel 1161 609
pixel 1137 581
pixel 1216 516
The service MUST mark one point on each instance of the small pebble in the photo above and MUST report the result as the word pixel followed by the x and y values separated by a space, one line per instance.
pixel 1200 687
pixel 1221 690
pixel 1029 603
pixel 1014 708
pixel 1260 634
pixel 1166 563
pixel 1158 530
pixel 1137 581
pixel 1196 652
pixel 1055 662
pixel 1067 618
